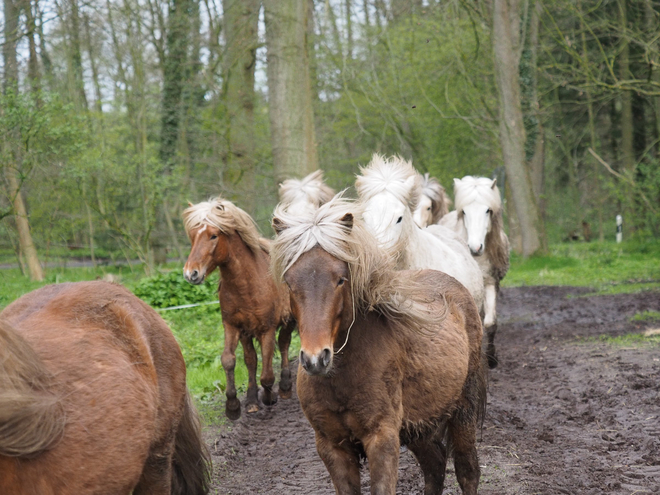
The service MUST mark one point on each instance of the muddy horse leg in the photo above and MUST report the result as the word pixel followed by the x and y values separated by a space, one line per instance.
pixel 283 342
pixel 233 406
pixel 382 449
pixel 490 324
pixel 463 437
pixel 250 355
pixel 342 464
pixel 267 342
pixel 432 457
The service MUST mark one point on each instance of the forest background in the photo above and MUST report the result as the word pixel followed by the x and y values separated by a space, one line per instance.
pixel 115 113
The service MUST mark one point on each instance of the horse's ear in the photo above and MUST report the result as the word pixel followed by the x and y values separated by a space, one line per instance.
pixel 347 221
pixel 190 204
pixel 278 225
pixel 492 186
pixel 411 182
pixel 456 181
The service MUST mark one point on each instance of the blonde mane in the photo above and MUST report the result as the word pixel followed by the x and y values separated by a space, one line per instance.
pixel 375 284
pixel 31 418
pixel 388 174
pixel 227 217
pixel 440 202
pixel 482 189
pixel 311 189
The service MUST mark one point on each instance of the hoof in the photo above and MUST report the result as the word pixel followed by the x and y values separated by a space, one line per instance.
pixel 268 397
pixel 233 409
pixel 285 394
pixel 492 361
pixel 251 408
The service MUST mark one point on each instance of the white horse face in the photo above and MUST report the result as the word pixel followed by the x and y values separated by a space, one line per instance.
pixel 423 214
pixel 476 218
pixel 384 216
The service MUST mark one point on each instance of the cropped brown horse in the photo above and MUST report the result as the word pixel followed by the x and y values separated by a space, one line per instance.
pixel 93 398
pixel 252 304
pixel 389 357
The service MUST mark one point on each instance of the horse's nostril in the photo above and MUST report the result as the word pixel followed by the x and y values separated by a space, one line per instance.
pixel 325 357
pixel 304 361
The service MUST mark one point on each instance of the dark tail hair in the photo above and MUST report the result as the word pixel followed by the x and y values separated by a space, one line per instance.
pixel 31 417
pixel 191 470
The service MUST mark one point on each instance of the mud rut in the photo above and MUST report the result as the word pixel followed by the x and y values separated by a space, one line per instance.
pixel 564 416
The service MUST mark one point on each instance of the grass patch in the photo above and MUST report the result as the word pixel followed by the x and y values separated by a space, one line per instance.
pixel 608 267
pixel 628 340
pixel 646 316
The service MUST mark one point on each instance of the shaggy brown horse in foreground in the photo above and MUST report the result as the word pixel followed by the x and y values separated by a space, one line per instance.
pixel 93 398
pixel 389 357
pixel 252 304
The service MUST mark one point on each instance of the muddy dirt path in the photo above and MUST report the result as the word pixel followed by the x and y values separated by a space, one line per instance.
pixel 564 416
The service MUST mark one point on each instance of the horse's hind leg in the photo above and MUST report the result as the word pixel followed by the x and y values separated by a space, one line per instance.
pixel 233 406
pixel 463 437
pixel 432 457
pixel 250 355
pixel 156 476
pixel 283 342
pixel 267 342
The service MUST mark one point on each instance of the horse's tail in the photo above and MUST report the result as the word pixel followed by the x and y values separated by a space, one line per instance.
pixel 191 473
pixel 31 416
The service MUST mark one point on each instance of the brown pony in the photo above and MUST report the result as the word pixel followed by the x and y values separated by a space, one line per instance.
pixel 387 357
pixel 252 304
pixel 93 397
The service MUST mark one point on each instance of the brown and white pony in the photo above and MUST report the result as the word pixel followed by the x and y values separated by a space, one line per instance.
pixel 433 202
pixel 302 195
pixel 93 398
pixel 478 220
pixel 387 358
pixel 253 306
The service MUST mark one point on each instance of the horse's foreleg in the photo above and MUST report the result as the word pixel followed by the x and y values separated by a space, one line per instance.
pixel 233 406
pixel 490 324
pixel 250 355
pixel 283 342
pixel 267 342
pixel 432 458
pixel 156 476
pixel 342 464
pixel 382 449
pixel 463 437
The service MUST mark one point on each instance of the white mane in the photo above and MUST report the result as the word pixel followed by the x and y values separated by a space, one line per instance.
pixel 310 190
pixel 470 189
pixel 388 174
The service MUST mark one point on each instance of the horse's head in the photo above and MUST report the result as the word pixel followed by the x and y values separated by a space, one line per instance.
pixel 321 301
pixel 209 249
pixel 389 191
pixel 476 210
pixel 423 215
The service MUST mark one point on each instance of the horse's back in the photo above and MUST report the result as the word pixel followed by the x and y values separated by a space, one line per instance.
pixel 120 377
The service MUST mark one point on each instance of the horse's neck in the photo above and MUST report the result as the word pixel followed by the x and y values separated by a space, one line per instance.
pixel 243 267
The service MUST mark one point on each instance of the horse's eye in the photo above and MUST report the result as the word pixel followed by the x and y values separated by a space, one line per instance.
pixel 214 237
pixel 399 220
pixel 428 209
pixel 341 282
pixel 487 211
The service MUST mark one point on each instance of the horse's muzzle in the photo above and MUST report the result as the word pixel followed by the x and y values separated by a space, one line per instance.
pixel 193 276
pixel 318 364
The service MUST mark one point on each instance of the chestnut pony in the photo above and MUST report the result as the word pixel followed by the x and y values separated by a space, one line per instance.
pixel 93 397
pixel 387 357
pixel 252 304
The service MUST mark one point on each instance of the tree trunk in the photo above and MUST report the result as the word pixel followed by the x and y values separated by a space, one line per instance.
pixel 289 92
pixel 627 138
pixel 512 130
pixel 241 18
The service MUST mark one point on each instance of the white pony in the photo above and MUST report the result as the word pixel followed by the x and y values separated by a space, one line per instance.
pixel 388 191
pixel 300 196
pixel 433 202
pixel 478 220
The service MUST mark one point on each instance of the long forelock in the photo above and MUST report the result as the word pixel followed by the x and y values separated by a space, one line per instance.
pixel 311 189
pixel 387 174
pixel 225 216
pixel 471 189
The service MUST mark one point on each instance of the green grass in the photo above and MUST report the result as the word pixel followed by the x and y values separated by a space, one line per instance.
pixel 607 267
pixel 628 340
pixel 646 316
